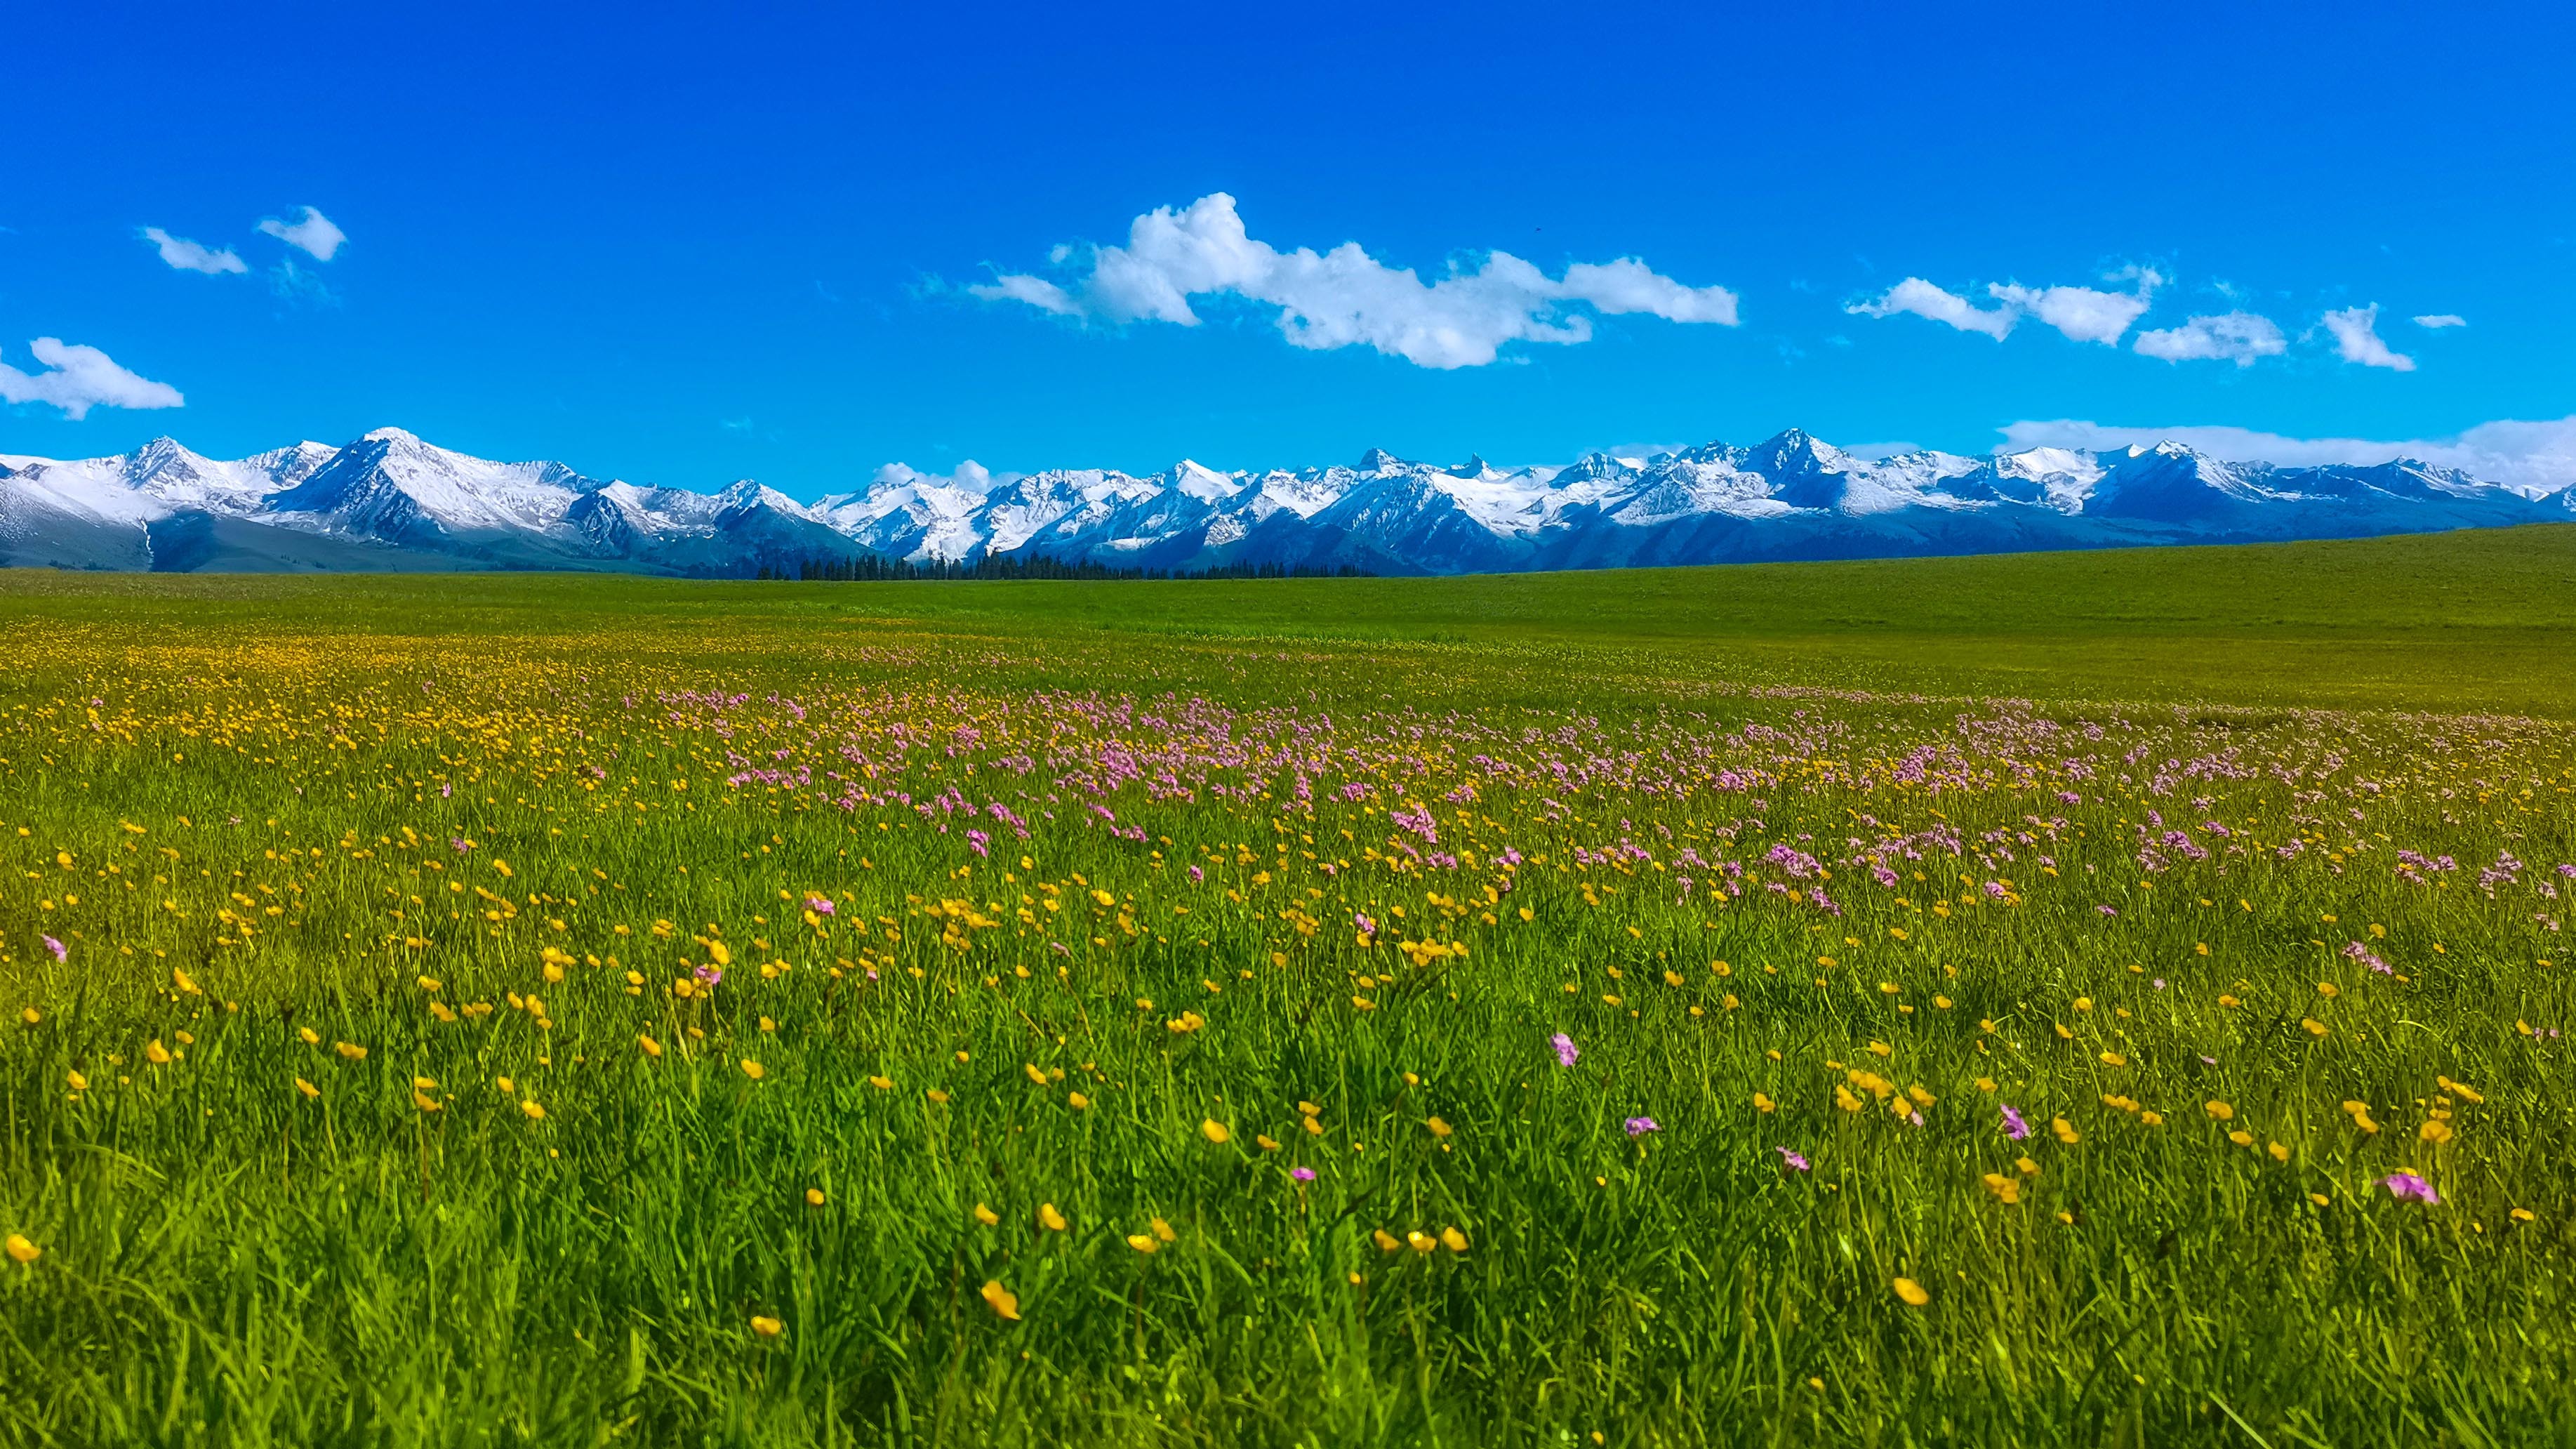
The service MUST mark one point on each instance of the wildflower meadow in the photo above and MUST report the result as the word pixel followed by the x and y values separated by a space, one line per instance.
pixel 562 1011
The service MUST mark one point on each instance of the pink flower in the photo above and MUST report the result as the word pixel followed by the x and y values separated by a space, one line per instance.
pixel 61 952
pixel 819 905
pixel 1302 1174
pixel 2014 1127
pixel 1791 1160
pixel 2405 1185
pixel 1640 1126
pixel 1565 1049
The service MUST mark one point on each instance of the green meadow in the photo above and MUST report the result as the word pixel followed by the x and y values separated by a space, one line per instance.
pixel 2060 999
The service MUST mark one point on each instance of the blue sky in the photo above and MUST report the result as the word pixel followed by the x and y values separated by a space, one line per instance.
pixel 686 245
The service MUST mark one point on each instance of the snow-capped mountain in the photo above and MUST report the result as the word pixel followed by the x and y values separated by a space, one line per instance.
pixel 390 501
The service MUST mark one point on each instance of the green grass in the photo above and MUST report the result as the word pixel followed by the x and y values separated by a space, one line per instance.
pixel 257 790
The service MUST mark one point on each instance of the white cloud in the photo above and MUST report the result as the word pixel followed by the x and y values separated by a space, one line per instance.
pixel 188 256
pixel 1038 292
pixel 1923 299
pixel 2442 319
pixel 299 287
pixel 971 476
pixel 81 378
pixel 2238 337
pixel 2529 457
pixel 1345 297
pixel 314 234
pixel 2357 339
pixel 2084 314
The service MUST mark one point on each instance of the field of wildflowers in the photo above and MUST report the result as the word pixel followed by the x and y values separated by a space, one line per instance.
pixel 496 1023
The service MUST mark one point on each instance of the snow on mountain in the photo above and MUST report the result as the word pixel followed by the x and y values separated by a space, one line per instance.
pixel 391 500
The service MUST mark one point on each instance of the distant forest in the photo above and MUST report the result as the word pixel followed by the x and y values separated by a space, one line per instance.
pixel 871 568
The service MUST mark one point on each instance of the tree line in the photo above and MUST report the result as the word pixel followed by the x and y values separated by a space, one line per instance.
pixel 875 568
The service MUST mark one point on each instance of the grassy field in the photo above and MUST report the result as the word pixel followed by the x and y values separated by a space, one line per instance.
pixel 2057 1000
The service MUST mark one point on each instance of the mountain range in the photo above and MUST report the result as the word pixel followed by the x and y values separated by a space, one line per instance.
pixel 389 501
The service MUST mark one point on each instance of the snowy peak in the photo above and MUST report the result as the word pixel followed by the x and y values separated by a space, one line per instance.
pixel 391 495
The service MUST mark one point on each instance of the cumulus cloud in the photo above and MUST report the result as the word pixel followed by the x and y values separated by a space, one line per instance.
pixel 2084 314
pixel 188 256
pixel 314 234
pixel 2237 337
pixel 2357 338
pixel 1923 299
pixel 1345 297
pixel 2442 319
pixel 2532 458
pixel 970 476
pixel 80 378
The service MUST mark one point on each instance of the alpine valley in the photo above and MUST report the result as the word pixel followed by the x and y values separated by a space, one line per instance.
pixel 389 501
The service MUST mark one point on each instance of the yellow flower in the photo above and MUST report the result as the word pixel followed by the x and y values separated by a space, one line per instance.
pixel 535 1112
pixel 1076 1100
pixel 1265 1142
pixel 1386 1242
pixel 2065 1131
pixel 1454 1240
pixel 651 1047
pixel 505 1084
pixel 77 1082
pixel 2005 1189
pixel 1142 1242
pixel 22 1250
pixel 719 953
pixel 307 1088
pixel 1002 1300
pixel 2320 1199
pixel 936 1095
pixel 155 1053
pixel 1422 1242
pixel 1762 1103
pixel 423 1102
pixel 765 1327
pixel 2522 1215
pixel 882 1084
pixel 1035 1076
pixel 753 1070
pixel 350 1051
pixel 2436 1132
pixel 2114 1059
pixel 813 1197
pixel 1163 1231
pixel 2222 1111
pixel 1912 1292
pixel 1213 1130
pixel 310 1036
pixel 986 1215
pixel 1438 1127
pixel 1050 1219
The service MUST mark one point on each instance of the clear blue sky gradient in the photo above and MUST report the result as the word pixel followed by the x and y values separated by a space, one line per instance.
pixel 687 245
